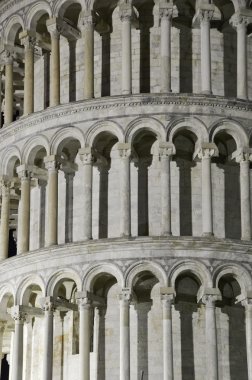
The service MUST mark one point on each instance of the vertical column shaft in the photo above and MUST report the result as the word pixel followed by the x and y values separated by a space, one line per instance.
pixel 125 152
pixel 24 211
pixel 166 11
pixel 17 356
pixel 245 200
pixel 88 35
pixel 124 335
pixel 2 327
pixel 52 201
pixel 126 15
pixel 8 114
pixel 87 159
pixel 165 156
pixel 54 30
pixel 48 340
pixel 206 85
pixel 248 326
pixel 84 342
pixel 167 337
pixel 4 226
pixel 28 42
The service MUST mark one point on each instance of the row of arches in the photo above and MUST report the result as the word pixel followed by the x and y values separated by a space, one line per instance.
pixel 144 279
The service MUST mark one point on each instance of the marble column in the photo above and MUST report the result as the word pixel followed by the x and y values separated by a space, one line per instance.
pixel 24 210
pixel 2 328
pixel 86 157
pixel 166 151
pixel 29 43
pixel 1 97
pixel 211 334
pixel 88 36
pixel 69 176
pixel 52 165
pixel 247 303
pixel 124 299
pixel 8 111
pixel 17 356
pixel 167 298
pixel 125 225
pixel 244 160
pixel 240 22
pixel 166 13
pixel 84 337
pixel 126 13
pixel 54 30
pixel 49 308
pixel 5 214
pixel 206 152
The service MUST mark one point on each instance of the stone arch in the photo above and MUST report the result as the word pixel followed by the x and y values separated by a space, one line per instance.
pixel 233 128
pixel 64 134
pixel 9 154
pixel 61 5
pixel 137 268
pixel 61 275
pixel 149 124
pixel 34 143
pixel 105 126
pixel 36 12
pixel 93 272
pixel 7 291
pixel 24 285
pixel 11 28
pixel 192 124
pixel 241 275
pixel 195 268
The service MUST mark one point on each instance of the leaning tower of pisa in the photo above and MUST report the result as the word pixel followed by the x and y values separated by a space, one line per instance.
pixel 125 150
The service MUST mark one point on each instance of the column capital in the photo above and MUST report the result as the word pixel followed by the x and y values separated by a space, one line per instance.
pixel 23 172
pixel 7 57
pixel 242 155
pixel 87 19
pixel 167 10
pixel 54 28
pixel 166 149
pixel 207 150
pixel 240 20
pixel 5 185
pixel 125 295
pixel 167 295
pixel 125 11
pixel 18 314
pixel 124 150
pixel 86 155
pixel 84 300
pixel 204 14
pixel 52 162
pixel 28 39
pixel 48 304
pixel 209 296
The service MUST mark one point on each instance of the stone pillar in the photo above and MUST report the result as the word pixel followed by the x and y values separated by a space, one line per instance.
pixel 207 151
pixel 203 17
pixel 240 22
pixel 211 333
pixel 52 165
pixel 125 152
pixel 84 335
pixel 24 210
pixel 166 150
pixel 17 356
pixel 126 16
pixel 49 309
pixel 167 298
pixel 1 97
pixel 86 157
pixel 54 30
pixel 69 176
pixel 247 303
pixel 28 42
pixel 5 213
pixel 88 36
pixel 8 110
pixel 166 13
pixel 2 328
pixel 125 298
pixel 244 160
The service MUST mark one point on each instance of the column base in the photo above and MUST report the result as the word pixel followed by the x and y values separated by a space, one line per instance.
pixel 206 92
pixel 208 234
pixel 246 238
pixel 166 234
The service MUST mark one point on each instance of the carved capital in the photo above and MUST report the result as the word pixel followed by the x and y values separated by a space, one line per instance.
pixel 7 57
pixel 5 185
pixel 28 39
pixel 207 151
pixel 242 155
pixel 240 21
pixel 54 28
pixel 52 163
pixel 209 296
pixel 86 155
pixel 24 173
pixel 84 300
pixel 124 150
pixel 18 314
pixel 166 149
pixel 204 14
pixel 48 304
pixel 125 295
pixel 125 12
pixel 167 11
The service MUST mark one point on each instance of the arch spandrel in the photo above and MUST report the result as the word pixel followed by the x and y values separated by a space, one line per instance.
pixel 15 22
pixel 137 268
pixel 93 272
pixel 148 124
pixel 192 124
pixel 7 157
pixel 195 268
pixel 6 292
pixel 63 135
pixel 35 12
pixel 35 143
pixel 29 281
